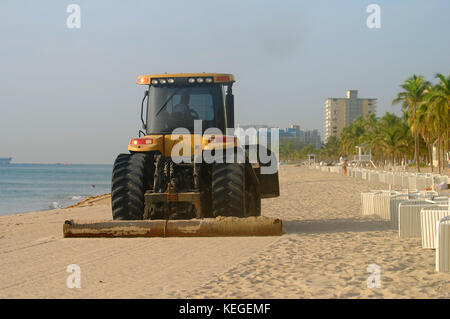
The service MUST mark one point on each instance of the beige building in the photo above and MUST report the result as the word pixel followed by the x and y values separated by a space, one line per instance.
pixel 339 112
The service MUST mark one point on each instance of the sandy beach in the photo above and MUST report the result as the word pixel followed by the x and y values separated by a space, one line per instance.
pixel 325 252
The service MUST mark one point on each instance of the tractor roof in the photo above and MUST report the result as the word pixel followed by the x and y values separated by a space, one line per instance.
pixel 222 78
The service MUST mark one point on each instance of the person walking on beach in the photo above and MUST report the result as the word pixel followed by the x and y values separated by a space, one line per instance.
pixel 344 167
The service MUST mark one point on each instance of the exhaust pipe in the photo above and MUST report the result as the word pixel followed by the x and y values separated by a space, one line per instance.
pixel 207 227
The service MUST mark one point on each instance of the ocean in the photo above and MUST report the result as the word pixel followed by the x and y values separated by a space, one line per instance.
pixel 34 187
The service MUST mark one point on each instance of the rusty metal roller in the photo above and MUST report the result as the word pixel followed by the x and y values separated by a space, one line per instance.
pixel 208 227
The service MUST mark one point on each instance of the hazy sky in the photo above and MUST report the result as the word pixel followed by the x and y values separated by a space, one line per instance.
pixel 69 95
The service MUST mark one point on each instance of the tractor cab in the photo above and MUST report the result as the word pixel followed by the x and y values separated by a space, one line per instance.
pixel 177 100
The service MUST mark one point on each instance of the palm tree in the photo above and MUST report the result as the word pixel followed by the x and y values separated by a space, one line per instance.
pixel 439 98
pixel 425 128
pixel 393 136
pixel 330 149
pixel 411 96
pixel 438 110
pixel 369 137
pixel 289 148
pixel 351 136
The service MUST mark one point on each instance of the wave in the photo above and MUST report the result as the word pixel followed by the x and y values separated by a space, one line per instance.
pixel 55 205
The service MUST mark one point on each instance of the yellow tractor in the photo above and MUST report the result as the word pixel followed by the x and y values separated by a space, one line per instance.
pixel 149 184
pixel 183 176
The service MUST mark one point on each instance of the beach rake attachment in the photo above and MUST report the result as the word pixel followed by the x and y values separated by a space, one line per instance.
pixel 207 227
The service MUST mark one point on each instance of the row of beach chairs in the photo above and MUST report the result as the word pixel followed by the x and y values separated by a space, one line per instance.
pixel 400 179
pixel 416 211
pixel 414 214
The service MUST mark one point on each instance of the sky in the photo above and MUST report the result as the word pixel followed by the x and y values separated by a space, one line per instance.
pixel 70 95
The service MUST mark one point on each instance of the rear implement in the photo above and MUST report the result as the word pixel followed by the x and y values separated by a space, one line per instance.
pixel 207 227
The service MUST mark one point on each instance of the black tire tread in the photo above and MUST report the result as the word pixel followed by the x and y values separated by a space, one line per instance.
pixel 228 189
pixel 128 186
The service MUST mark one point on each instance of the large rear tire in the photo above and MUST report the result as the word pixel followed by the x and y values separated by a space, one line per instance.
pixel 131 177
pixel 228 190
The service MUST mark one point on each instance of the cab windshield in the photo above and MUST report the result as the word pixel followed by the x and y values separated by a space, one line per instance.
pixel 175 107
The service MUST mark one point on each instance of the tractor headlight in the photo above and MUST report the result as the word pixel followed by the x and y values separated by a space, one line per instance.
pixel 191 80
pixel 208 80
pixel 200 80
pixel 171 81
pixel 154 82
pixel 163 81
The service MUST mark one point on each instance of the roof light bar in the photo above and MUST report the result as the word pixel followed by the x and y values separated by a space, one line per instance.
pixel 192 78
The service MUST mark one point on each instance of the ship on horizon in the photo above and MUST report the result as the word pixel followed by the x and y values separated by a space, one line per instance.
pixel 5 161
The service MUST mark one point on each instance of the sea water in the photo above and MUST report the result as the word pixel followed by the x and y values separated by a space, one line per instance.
pixel 33 187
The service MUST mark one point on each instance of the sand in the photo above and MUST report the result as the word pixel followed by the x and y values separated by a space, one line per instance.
pixel 325 253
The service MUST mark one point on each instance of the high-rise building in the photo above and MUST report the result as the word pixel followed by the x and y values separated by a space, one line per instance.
pixel 294 131
pixel 340 112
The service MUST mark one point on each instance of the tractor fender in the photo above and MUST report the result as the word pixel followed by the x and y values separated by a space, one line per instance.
pixel 266 172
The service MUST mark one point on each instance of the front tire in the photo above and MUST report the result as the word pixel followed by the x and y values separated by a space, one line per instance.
pixel 131 177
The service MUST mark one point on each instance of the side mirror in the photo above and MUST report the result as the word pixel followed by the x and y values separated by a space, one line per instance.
pixel 144 125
